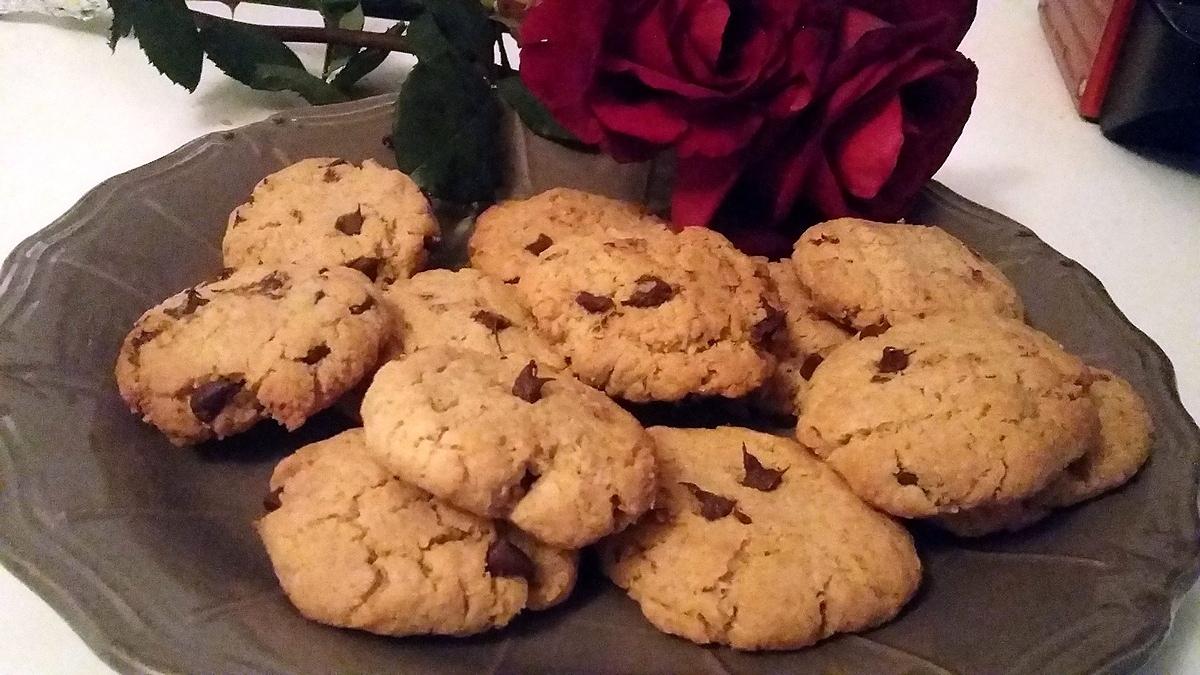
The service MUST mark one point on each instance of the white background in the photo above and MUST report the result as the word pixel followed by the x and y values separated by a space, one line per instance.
pixel 72 114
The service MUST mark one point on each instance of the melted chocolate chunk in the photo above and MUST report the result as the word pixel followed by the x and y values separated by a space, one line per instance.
pixel 764 331
pixel 491 320
pixel 758 476
pixel 504 559
pixel 810 365
pixel 712 506
pixel 272 282
pixel 596 304
pixel 893 360
pixel 367 265
pixel 875 329
pixel 540 244
pixel 528 386
pixel 272 501
pixel 906 478
pixel 651 291
pixel 314 355
pixel 143 337
pixel 225 273
pixel 350 223
pixel 209 399
pixel 331 176
pixel 742 517
pixel 360 308
pixel 191 302
pixel 318 297
pixel 824 239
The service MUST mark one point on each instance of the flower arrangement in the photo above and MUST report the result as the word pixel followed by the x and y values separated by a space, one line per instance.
pixel 777 113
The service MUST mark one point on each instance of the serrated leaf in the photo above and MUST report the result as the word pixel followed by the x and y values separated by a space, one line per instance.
pixel 460 25
pixel 167 34
pixel 533 114
pixel 446 130
pixel 261 61
pixel 362 63
pixel 122 23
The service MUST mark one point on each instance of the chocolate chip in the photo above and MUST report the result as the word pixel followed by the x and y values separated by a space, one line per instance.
pixel 225 273
pixel 906 478
pixel 314 355
pixel 824 239
pixel 337 162
pixel 528 386
pixel 191 302
pixel 491 320
pixel 893 360
pixel 742 517
pixel 810 365
pixel 596 304
pixel 318 297
pixel 650 291
pixel 875 329
pixel 143 337
pixel 367 265
pixel 360 308
pixel 712 506
pixel 209 399
pixel 977 276
pixel 758 476
pixel 238 219
pixel 766 328
pixel 331 176
pixel 529 479
pixel 504 559
pixel 879 379
pixel 350 223
pixel 272 282
pixel 297 215
pixel 272 501
pixel 540 244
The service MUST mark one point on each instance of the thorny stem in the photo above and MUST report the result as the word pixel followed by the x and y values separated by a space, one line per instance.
pixel 331 36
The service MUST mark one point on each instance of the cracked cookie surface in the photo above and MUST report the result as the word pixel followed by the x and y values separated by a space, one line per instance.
pixel 326 211
pixel 353 546
pixel 949 413
pixel 502 438
pixel 511 236
pixel 807 338
pixel 261 343
pixel 866 274
pixel 656 317
pixel 1121 448
pixel 756 544
pixel 464 309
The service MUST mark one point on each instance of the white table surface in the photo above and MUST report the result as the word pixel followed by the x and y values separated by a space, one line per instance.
pixel 72 114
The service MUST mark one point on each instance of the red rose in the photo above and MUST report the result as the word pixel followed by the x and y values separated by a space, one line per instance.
pixel 701 76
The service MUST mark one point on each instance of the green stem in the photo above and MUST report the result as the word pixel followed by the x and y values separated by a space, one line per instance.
pixel 320 35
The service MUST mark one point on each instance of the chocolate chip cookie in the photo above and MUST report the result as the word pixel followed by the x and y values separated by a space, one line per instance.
pixel 872 275
pixel 949 413
pixel 656 317
pixel 512 235
pixel 504 437
pixel 326 211
pixel 1122 447
pixel 468 310
pixel 353 546
pixel 755 544
pixel 280 343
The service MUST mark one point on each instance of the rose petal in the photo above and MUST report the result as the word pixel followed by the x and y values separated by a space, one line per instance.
pixel 856 24
pixel 706 21
pixel 650 120
pixel 701 184
pixel 955 15
pixel 867 156
pixel 719 134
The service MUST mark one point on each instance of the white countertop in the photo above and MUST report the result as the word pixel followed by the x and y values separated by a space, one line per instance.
pixel 72 114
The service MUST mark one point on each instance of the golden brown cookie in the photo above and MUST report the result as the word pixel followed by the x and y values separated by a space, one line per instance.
pixel 353 546
pixel 756 544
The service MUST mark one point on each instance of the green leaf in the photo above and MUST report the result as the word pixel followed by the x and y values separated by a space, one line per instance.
pixel 446 130
pixel 458 25
pixel 340 14
pixel 261 61
pixel 122 23
pixel 533 114
pixel 362 63
pixel 167 33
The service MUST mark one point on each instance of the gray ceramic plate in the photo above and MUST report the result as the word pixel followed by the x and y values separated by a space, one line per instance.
pixel 147 550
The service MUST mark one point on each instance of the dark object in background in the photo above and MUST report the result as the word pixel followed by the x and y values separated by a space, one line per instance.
pixel 1131 65
pixel 1154 95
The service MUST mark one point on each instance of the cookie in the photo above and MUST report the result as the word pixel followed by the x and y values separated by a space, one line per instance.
pixel 807 338
pixel 512 235
pixel 1120 450
pixel 326 211
pixel 756 544
pixel 353 546
pixel 503 437
pixel 949 413
pixel 468 310
pixel 656 317
pixel 260 343
pixel 871 275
